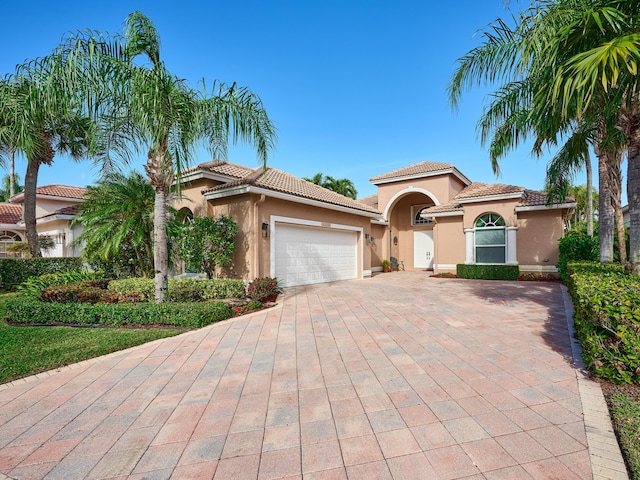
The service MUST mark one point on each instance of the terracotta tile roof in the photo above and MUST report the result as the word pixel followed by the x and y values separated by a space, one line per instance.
pixel 478 189
pixel 534 198
pixel 415 169
pixel 71 210
pixel 279 181
pixel 10 213
pixel 62 191
pixel 450 207
pixel 223 168
pixel 371 200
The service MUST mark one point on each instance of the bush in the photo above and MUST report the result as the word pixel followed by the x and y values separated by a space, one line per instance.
pixel 607 319
pixel 15 271
pixel 263 288
pixel 179 288
pixel 488 272
pixel 576 246
pixel 26 311
pixel 94 291
pixel 34 285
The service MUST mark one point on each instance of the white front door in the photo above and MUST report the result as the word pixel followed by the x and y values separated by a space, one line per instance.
pixel 423 249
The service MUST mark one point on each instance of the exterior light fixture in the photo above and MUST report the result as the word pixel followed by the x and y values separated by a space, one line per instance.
pixel 265 229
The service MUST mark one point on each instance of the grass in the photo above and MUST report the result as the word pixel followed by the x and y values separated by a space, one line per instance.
pixel 625 414
pixel 29 350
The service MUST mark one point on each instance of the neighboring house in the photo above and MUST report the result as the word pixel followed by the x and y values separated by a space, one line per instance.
pixel 428 216
pixel 56 206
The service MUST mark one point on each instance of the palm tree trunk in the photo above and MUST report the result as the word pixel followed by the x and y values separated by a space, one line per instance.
pixel 633 188
pixel 12 173
pixel 29 209
pixel 589 196
pixel 160 253
pixel 615 185
pixel 605 213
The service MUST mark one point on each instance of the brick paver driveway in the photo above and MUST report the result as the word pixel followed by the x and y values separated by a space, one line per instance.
pixel 398 376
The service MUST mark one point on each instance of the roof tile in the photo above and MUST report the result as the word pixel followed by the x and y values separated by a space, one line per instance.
pixel 415 169
pixel 279 181
pixel 62 191
pixel 222 167
pixel 10 213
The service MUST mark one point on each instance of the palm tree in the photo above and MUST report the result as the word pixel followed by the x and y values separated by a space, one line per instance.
pixel 39 118
pixel 9 184
pixel 527 57
pixel 343 186
pixel 144 106
pixel 116 217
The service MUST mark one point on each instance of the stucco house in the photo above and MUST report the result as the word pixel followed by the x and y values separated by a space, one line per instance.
pixel 428 216
pixel 56 206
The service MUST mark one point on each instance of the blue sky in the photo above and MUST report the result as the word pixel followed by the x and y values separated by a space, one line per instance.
pixel 356 87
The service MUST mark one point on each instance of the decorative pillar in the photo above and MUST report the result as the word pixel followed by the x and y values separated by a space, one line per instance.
pixel 512 250
pixel 468 236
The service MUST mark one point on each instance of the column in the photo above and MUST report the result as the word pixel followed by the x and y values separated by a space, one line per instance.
pixel 512 250
pixel 468 236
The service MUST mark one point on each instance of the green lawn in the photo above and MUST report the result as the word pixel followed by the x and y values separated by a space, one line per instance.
pixel 28 350
pixel 625 413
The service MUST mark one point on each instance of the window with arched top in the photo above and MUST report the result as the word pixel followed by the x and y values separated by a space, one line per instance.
pixel 490 239
pixel 417 218
pixel 8 238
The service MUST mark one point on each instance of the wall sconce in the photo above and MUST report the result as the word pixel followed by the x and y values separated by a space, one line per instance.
pixel 395 240
pixel 265 230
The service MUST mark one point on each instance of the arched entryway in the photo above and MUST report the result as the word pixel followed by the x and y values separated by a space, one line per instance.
pixel 410 236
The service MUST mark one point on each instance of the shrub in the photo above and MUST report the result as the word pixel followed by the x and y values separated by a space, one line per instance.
pixel 79 292
pixel 14 271
pixel 191 315
pixel 488 272
pixel 263 288
pixel 576 246
pixel 208 289
pixel 34 285
pixel 607 319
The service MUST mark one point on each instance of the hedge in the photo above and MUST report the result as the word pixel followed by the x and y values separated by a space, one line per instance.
pixel 488 272
pixel 207 289
pixel 192 315
pixel 607 319
pixel 14 271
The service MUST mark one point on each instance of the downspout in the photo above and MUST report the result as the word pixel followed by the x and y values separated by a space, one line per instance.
pixel 257 233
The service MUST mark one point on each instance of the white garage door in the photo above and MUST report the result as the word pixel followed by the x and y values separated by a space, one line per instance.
pixel 305 255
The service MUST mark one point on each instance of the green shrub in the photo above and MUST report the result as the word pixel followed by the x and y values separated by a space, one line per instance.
pixel 34 285
pixel 191 315
pixel 178 288
pixel 263 288
pixel 14 271
pixel 576 246
pixel 93 291
pixel 607 319
pixel 488 272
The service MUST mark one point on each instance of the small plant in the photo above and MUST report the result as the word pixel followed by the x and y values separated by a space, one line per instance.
pixel 386 265
pixel 262 289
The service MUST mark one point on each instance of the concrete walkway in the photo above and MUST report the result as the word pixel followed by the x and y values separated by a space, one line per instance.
pixel 396 377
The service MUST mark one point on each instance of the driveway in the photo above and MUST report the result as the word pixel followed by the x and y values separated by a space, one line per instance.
pixel 395 377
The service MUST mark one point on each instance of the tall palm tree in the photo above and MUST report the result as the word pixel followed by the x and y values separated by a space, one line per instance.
pixel 343 186
pixel 39 118
pixel 144 106
pixel 117 218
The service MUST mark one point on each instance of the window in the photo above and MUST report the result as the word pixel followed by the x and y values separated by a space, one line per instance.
pixel 490 239
pixel 8 238
pixel 416 218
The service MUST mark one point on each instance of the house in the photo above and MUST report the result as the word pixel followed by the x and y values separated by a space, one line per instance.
pixel 56 206
pixel 429 216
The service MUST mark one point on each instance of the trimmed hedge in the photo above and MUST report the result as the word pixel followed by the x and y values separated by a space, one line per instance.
pixel 14 271
pixel 488 272
pixel 576 247
pixel 607 319
pixel 182 289
pixel 191 315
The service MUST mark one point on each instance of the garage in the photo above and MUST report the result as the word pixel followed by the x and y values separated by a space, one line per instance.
pixel 303 255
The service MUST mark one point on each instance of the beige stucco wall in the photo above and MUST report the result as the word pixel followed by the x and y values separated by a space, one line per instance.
pixel 505 208
pixel 45 206
pixel 449 243
pixel 537 236
pixel 380 245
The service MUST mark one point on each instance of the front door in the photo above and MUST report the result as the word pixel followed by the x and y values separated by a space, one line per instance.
pixel 423 249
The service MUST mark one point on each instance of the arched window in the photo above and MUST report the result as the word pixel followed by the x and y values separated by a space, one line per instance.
pixel 490 239
pixel 417 218
pixel 184 215
pixel 8 238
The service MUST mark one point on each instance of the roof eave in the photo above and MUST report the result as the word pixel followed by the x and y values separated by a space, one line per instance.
pixel 242 189
pixel 454 171
pixel 207 175
pixel 491 198
pixel 555 206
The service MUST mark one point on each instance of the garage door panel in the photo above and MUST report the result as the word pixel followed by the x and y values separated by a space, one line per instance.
pixel 305 255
